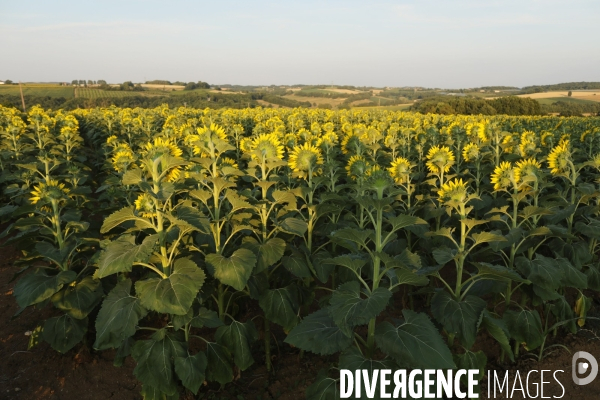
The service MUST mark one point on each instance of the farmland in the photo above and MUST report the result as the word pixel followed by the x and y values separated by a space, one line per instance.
pixel 197 244
pixel 33 89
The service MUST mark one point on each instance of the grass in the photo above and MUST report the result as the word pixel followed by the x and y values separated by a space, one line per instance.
pixel 91 93
pixel 40 90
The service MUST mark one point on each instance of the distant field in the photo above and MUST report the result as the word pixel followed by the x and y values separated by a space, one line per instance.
pixel 579 100
pixel 591 95
pixel 38 90
pixel 398 107
pixel 162 87
pixel 90 93
pixel 316 100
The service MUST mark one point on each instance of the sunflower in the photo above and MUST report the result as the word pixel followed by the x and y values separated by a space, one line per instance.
pixel 378 179
pixel 161 146
pixel 400 170
pixel 547 138
pixel 305 159
pixel 266 146
pixel 439 159
pixel 350 143
pixel 503 176
pixel 357 166
pixel 595 162
pixel 228 162
pixel 51 190
pixel 527 148
pixel 470 152
pixel 559 158
pixel 145 205
pixel 527 168
pixel 453 191
pixel 122 158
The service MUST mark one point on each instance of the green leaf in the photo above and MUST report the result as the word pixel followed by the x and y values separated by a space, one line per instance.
pixel 403 221
pixel 294 226
pixel 132 176
pixel 120 255
pixel 593 277
pixel 296 264
pixel 486 237
pixel 563 312
pixel 125 214
pixel 322 265
pixel 190 370
pixel 281 306
pixel 179 321
pixel 323 388
pixel 118 317
pixel 572 276
pixel 237 338
pixel 525 327
pixel 544 272
pixel 498 330
pixel 443 255
pixel 356 236
pixel 36 287
pixel 155 361
pixel 267 253
pixel 219 360
pixel 175 294
pixel 348 309
pixel 235 270
pixel 498 272
pixel 194 218
pixel 319 334
pixel 64 332
pixel 415 343
pixel 471 360
pixel 458 317
pixel 206 318
pixel 79 300
pixel 408 277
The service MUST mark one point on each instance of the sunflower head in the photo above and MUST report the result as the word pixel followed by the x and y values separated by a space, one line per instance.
pixel 161 146
pixel 378 179
pixel 305 159
pixel 471 152
pixel 559 158
pixel 527 148
pixel 265 147
pixel 595 161
pixel 357 167
pixel 49 191
pixel 453 192
pixel 503 176
pixel 439 159
pixel 527 170
pixel 122 158
pixel 144 204
pixel 400 170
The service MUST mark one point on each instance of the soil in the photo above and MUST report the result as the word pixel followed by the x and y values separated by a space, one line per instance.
pixel 82 373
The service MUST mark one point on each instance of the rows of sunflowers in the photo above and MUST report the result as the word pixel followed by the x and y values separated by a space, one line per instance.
pixel 184 237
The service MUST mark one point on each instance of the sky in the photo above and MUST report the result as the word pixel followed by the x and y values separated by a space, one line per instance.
pixel 430 43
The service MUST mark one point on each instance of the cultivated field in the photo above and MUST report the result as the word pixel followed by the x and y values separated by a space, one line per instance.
pixel 197 246
pixel 33 89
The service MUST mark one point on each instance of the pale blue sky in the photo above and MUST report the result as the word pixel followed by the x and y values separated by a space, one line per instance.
pixel 432 43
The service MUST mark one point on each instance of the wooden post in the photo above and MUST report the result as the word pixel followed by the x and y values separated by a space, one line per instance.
pixel 22 98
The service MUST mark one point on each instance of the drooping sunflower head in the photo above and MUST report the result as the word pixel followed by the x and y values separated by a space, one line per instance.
pixel 228 162
pixel 547 138
pixel 122 158
pixel 527 170
pixel 400 170
pixel 329 139
pixel 454 191
pixel 351 143
pixel 559 158
pixel 503 176
pixel 527 148
pixel 439 159
pixel 265 147
pixel 378 179
pixel 305 159
pixel 471 152
pixel 161 146
pixel 357 167
pixel 144 204
pixel 48 191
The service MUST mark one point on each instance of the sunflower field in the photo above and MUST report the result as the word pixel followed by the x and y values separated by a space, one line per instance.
pixel 185 238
